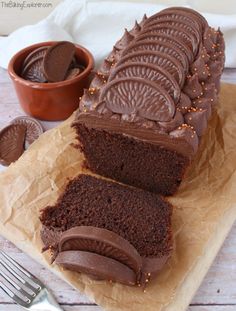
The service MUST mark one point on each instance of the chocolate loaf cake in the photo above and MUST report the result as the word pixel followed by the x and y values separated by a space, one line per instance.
pixel 108 230
pixel 142 118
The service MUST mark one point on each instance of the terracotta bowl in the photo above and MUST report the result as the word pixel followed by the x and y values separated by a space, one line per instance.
pixel 50 101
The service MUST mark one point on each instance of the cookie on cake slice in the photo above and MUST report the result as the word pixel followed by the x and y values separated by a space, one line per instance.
pixel 108 230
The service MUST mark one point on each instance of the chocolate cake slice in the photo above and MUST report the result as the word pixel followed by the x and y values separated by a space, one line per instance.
pixel 112 225
pixel 142 118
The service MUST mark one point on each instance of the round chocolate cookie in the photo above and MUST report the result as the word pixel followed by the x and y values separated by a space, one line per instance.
pixel 180 24
pixel 150 72
pixel 174 16
pixel 167 62
pixel 72 73
pixel 167 38
pixel 39 52
pixel 57 61
pixel 159 46
pixel 33 70
pixel 33 128
pixel 138 96
pixel 175 32
pixel 12 139
pixel 98 266
pixel 194 15
pixel 103 242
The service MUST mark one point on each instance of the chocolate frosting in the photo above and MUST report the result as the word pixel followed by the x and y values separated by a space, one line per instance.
pixel 184 103
pixel 124 41
pixel 106 67
pixel 210 92
pixel 177 121
pixel 172 51
pixel 204 104
pixel 186 132
pixel 192 86
pixel 208 40
pixel 135 31
pixel 198 119
pixel 98 80
pixel 143 131
pixel 201 68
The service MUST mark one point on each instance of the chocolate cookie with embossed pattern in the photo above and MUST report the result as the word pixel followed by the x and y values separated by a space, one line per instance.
pixel 97 266
pixel 176 16
pixel 12 139
pixel 162 37
pixel 159 46
pixel 188 27
pixel 176 32
pixel 32 71
pixel 169 63
pixel 103 242
pixel 150 72
pixel 33 128
pixel 138 96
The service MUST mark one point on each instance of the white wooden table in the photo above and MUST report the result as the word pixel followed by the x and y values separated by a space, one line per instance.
pixel 217 292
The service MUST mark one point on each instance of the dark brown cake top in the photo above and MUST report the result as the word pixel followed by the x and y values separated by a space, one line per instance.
pixel 156 74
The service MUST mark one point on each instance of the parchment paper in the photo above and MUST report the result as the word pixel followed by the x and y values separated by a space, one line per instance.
pixel 205 209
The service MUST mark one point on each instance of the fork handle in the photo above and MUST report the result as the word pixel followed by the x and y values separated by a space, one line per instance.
pixel 46 302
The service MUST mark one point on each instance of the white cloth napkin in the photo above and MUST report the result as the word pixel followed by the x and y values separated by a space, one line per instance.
pixel 97 24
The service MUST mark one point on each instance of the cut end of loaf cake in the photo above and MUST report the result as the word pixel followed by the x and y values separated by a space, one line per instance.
pixel 142 218
pixel 131 161
pixel 116 226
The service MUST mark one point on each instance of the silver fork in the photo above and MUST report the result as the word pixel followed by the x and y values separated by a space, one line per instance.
pixel 24 288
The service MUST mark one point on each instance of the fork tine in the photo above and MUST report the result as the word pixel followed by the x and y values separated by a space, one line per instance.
pixel 19 289
pixel 16 268
pixel 8 268
pixel 7 290
pixel 15 264
pixel 17 299
pixel 25 286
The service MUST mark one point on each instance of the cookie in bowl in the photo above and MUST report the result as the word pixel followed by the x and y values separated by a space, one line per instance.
pixel 50 77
